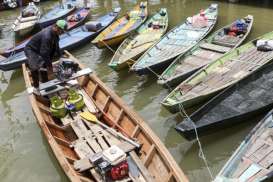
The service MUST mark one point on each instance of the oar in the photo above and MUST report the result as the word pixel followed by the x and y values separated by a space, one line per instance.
pixel 92 118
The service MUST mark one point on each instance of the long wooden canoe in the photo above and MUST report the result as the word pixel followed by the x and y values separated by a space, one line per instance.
pixel 205 52
pixel 218 75
pixel 136 44
pixel 176 42
pixel 252 161
pixel 153 159
pixel 122 27
pixel 68 41
pixel 238 103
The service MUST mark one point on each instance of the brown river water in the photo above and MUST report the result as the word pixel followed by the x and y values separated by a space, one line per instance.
pixel 24 152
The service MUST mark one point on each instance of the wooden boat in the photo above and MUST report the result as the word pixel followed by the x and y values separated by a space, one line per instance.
pixel 68 41
pixel 74 20
pixel 77 18
pixel 122 27
pixel 56 13
pixel 146 35
pixel 204 53
pixel 153 160
pixel 27 20
pixel 238 103
pixel 218 75
pixel 252 160
pixel 176 42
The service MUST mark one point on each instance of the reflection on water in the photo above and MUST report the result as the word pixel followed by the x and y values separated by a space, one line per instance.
pixel 24 152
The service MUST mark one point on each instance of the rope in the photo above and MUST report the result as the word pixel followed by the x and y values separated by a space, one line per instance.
pixel 184 113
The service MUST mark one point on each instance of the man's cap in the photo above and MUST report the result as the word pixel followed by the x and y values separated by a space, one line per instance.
pixel 62 24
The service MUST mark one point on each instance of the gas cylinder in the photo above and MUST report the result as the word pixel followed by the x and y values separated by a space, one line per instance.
pixel 76 99
pixel 57 107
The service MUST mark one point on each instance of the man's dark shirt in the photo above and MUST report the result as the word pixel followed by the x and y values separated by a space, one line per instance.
pixel 46 44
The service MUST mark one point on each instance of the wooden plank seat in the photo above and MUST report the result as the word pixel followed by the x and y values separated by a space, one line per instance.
pixel 215 47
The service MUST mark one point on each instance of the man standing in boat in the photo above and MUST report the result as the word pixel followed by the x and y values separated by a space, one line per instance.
pixel 40 51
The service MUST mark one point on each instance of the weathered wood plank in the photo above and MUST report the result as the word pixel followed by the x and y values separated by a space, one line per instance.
pixel 97 132
pixel 243 166
pixel 79 128
pixel 141 167
pixel 261 153
pixel 149 155
pixel 62 141
pixel 91 140
pixel 135 132
pixel 82 149
pixel 214 47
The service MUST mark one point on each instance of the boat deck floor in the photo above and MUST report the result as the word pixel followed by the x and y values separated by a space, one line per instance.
pixel 197 59
pixel 88 138
pixel 257 162
pixel 228 72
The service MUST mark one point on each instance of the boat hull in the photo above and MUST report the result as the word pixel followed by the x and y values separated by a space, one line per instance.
pixel 242 101
pixel 122 27
pixel 176 80
pixel 174 108
pixel 189 133
pixel 24 32
pixel 155 68
pixel 115 113
pixel 110 42
pixel 123 65
pixel 252 160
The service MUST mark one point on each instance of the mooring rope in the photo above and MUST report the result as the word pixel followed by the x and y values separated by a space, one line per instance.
pixel 184 113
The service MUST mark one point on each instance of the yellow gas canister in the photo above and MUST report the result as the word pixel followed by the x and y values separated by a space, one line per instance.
pixel 76 99
pixel 57 107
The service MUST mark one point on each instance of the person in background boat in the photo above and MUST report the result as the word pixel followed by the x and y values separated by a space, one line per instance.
pixel 200 20
pixel 41 49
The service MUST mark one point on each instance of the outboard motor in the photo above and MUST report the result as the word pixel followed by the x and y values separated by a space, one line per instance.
pixel 66 69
